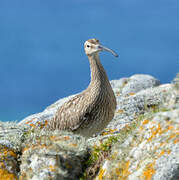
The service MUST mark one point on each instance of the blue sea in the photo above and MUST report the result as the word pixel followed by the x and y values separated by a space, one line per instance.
pixel 41 47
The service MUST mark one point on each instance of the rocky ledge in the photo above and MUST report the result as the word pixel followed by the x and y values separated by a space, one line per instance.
pixel 141 142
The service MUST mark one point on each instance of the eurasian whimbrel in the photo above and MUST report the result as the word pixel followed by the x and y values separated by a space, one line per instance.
pixel 90 111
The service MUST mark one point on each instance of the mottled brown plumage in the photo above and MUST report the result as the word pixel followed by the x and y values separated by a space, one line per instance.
pixel 90 111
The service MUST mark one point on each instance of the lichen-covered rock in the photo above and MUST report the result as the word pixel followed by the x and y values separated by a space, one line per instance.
pixel 11 138
pixel 139 82
pixel 147 147
pixel 141 142
pixel 12 135
pixel 9 167
pixel 134 83
pixel 151 151
pixel 130 106
pixel 53 155
pixel 119 84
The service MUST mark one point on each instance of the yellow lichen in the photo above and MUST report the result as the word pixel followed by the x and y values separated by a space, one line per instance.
pixel 52 168
pixel 114 155
pixel 32 125
pixel 126 172
pixel 42 124
pixel 141 128
pixel 4 152
pixel 109 131
pixel 25 149
pixel 169 151
pixel 172 136
pixel 5 155
pixel 159 129
pixel 176 141
pixel 2 165
pixel 148 171
pixel 155 131
pixel 57 138
pixel 34 146
pixel 146 121
pixel 5 175
pixel 170 127
pixel 30 121
pixel 162 153
pixel 101 173
pixel 74 145
pixel 162 143
pixel 122 172
pixel 120 110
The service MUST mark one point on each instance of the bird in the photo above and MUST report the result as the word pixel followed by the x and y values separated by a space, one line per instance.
pixel 90 111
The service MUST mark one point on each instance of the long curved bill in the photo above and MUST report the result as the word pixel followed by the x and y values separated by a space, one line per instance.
pixel 109 50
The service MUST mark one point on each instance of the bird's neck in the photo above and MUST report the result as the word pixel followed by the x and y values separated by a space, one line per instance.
pixel 98 74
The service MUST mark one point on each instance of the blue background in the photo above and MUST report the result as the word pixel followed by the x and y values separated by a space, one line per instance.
pixel 41 47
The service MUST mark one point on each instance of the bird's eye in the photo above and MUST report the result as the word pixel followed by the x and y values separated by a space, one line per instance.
pixel 88 46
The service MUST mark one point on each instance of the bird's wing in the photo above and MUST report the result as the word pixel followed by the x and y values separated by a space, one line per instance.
pixel 73 113
pixel 83 119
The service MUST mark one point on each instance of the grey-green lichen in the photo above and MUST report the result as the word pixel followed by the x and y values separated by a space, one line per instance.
pixel 12 134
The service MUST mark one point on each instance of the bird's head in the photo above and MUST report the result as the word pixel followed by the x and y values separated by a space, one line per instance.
pixel 93 46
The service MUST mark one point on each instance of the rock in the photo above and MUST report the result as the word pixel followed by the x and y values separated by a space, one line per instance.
pixel 128 107
pixel 139 82
pixel 11 138
pixel 53 155
pixel 9 166
pixel 151 151
pixel 119 84
pixel 147 147
pixel 12 135
pixel 141 142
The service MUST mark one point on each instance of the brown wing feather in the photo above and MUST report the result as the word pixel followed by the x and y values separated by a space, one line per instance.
pixel 72 114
